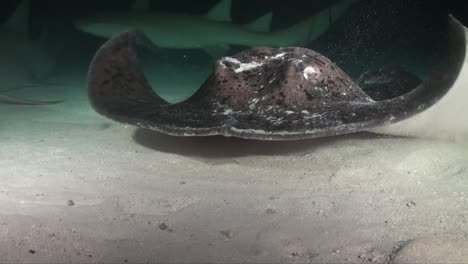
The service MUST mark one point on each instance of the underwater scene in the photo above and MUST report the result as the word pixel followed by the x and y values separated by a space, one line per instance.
pixel 233 131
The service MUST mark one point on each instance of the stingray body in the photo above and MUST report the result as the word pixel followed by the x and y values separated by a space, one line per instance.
pixel 265 93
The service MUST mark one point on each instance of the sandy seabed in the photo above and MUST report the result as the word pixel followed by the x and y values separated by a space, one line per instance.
pixel 76 187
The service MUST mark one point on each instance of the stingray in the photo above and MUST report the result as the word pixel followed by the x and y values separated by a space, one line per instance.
pixel 268 93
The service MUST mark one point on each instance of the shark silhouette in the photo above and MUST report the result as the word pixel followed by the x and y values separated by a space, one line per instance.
pixel 22 61
pixel 212 32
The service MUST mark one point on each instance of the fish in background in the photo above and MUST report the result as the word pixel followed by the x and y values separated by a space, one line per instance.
pixel 212 31
pixel 23 63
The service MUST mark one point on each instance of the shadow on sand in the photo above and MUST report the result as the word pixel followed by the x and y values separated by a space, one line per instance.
pixel 224 147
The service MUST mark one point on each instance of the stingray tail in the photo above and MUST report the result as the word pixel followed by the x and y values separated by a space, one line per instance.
pixel 442 78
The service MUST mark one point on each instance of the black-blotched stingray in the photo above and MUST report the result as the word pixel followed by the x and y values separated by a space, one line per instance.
pixel 266 93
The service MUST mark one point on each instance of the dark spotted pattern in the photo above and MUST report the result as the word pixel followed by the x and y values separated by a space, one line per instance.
pixel 266 94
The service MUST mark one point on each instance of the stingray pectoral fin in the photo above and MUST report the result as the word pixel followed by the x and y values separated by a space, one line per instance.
pixel 441 79
pixel 118 89
pixel 5 99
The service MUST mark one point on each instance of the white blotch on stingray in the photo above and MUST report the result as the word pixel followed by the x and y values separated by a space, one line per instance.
pixel 253 103
pixel 278 56
pixel 309 71
pixel 222 64
pixel 228 112
pixel 275 120
pixel 231 60
pixel 250 131
pixel 312 116
pixel 248 66
pixel 296 62
pixel 241 66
